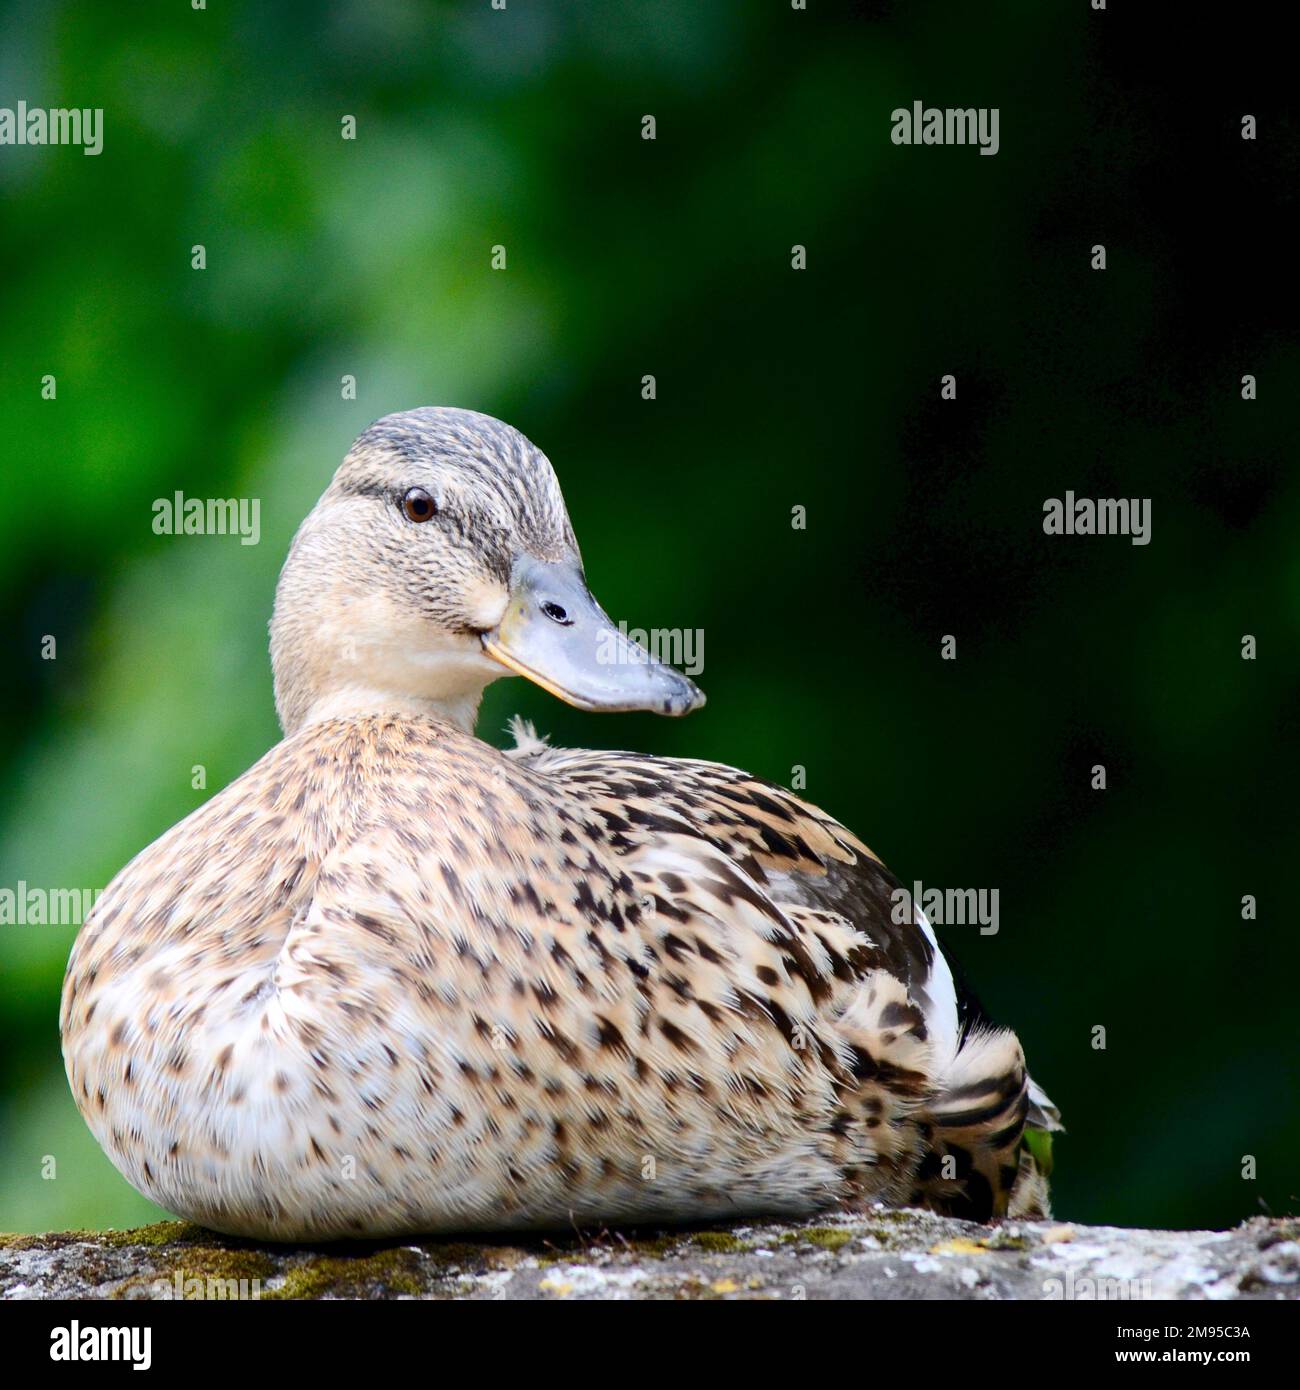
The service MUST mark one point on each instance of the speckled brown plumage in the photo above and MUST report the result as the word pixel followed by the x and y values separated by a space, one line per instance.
pixel 395 980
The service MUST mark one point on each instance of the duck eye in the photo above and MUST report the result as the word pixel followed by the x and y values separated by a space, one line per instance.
pixel 418 505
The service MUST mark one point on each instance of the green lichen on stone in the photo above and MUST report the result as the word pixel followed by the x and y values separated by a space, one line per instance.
pixel 576 1255
pixel 161 1233
pixel 55 1240
pixel 215 1262
pixel 384 1273
pixel 720 1243
pixel 825 1237
pixel 656 1247
pixel 1005 1240
pixel 454 1255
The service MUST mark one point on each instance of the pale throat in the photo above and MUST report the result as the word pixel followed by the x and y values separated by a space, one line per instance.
pixel 357 701
pixel 404 678
pixel 343 652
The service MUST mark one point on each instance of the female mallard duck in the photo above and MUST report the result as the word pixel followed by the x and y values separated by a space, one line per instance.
pixel 392 980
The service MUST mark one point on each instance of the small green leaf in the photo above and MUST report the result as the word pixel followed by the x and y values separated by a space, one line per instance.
pixel 1039 1144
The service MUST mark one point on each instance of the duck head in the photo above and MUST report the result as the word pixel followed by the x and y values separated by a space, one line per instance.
pixel 440 558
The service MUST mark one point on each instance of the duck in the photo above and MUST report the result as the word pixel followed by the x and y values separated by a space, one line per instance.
pixel 395 981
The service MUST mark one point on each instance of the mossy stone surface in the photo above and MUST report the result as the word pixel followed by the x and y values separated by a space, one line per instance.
pixel 875 1254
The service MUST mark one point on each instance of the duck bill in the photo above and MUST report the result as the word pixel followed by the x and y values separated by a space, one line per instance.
pixel 557 635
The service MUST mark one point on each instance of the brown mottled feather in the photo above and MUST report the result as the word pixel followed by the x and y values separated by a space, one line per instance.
pixel 625 1000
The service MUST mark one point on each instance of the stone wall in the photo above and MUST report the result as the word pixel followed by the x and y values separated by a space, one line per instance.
pixel 877 1254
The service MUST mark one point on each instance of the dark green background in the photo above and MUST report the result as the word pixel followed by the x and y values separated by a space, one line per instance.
pixel 775 388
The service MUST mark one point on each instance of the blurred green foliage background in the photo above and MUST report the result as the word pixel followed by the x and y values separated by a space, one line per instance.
pixel 776 388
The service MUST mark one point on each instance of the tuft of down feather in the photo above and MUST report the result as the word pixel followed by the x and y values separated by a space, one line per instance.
pixel 528 743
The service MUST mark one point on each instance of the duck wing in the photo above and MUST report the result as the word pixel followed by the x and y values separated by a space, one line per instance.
pixel 803 863
pixel 852 936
